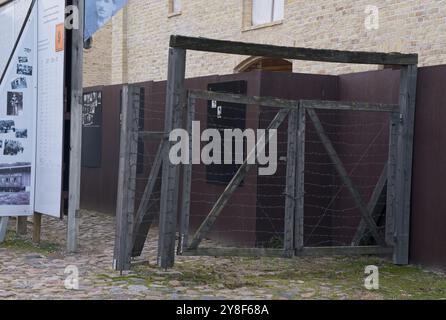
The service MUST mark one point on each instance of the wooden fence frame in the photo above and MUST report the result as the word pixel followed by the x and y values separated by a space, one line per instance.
pixel 400 165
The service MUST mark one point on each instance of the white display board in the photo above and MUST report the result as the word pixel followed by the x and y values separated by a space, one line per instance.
pixel 18 93
pixel 31 110
pixel 51 14
pixel 12 16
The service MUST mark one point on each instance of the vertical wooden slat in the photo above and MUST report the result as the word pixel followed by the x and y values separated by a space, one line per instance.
pixel 170 174
pixel 290 190
pixel 125 205
pixel 300 183
pixel 408 87
pixel 75 130
pixel 187 181
pixel 391 178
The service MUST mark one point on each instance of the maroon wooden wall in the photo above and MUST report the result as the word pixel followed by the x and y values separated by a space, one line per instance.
pixel 428 216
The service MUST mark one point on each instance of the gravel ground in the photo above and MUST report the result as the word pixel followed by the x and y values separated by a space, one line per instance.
pixel 28 271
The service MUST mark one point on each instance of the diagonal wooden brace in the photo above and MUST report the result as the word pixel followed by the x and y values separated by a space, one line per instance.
pixel 232 186
pixel 366 215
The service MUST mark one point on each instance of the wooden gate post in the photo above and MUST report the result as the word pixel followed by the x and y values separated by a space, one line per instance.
pixel 300 179
pixel 290 191
pixel 408 89
pixel 187 181
pixel 175 99
pixel 128 154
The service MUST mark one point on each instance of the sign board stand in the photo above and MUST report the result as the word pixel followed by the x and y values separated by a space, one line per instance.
pixel 3 227
pixel 76 130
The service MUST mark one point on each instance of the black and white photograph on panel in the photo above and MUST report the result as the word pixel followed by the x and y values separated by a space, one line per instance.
pixel 19 83
pixel 21 133
pixel 24 69
pixel 14 103
pixel 92 129
pixel 92 109
pixel 7 126
pixel 13 148
pixel 15 182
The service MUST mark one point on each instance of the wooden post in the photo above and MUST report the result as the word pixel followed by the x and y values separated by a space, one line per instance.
pixel 408 88
pixel 170 175
pixel 3 228
pixel 75 129
pixel 187 182
pixel 37 224
pixel 125 202
pixel 300 180
pixel 21 226
pixel 290 191
pixel 391 178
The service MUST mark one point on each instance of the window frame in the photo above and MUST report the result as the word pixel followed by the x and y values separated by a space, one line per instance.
pixel 171 8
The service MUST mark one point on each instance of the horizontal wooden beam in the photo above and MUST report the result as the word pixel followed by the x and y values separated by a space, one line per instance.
pixel 289 104
pixel 307 251
pixel 353 106
pixel 235 252
pixel 242 99
pixel 263 50
pixel 344 251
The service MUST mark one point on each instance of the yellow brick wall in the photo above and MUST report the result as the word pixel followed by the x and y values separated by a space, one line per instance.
pixel 409 26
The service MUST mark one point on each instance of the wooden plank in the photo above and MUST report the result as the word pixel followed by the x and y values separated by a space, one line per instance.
pixel 344 251
pixel 293 104
pixel 408 88
pixel 243 99
pixel 300 183
pixel 236 252
pixel 231 187
pixel 350 106
pixel 391 178
pixel 75 130
pixel 22 226
pixel 187 182
pixel 3 228
pixel 262 50
pixel 125 201
pixel 37 225
pixel 175 97
pixel 306 251
pixel 366 215
pixel 290 189
pixel 375 206
pixel 143 218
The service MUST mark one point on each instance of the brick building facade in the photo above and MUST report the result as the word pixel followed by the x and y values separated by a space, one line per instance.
pixel 133 46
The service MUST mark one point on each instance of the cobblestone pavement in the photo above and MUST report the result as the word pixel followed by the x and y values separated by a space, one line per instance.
pixel 38 272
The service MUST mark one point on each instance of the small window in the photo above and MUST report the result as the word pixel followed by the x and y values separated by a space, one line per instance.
pixel 174 6
pixel 267 11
